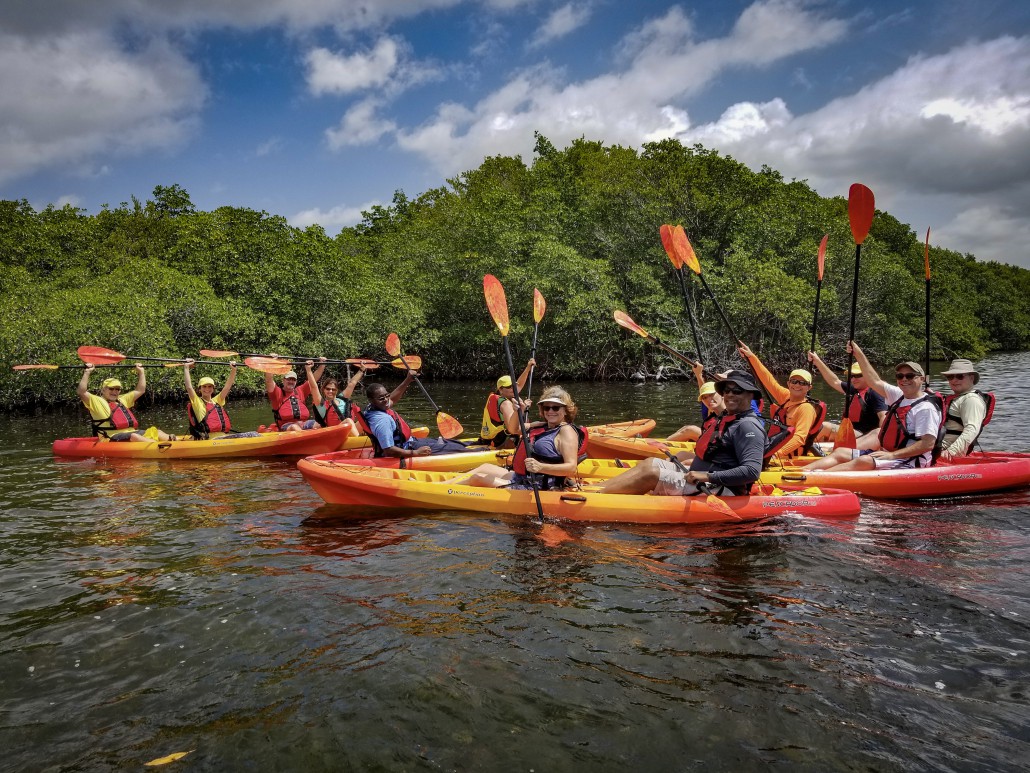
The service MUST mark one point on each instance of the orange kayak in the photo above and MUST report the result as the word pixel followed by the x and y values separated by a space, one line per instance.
pixel 367 486
pixel 312 441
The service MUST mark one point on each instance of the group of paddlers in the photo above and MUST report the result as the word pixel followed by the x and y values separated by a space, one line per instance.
pixel 896 426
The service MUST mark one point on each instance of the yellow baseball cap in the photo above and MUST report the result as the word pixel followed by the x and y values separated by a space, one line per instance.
pixel 707 388
pixel 205 381
pixel 111 382
pixel 802 374
pixel 503 381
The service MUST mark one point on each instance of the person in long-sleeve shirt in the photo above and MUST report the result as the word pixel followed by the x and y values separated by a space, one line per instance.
pixel 792 406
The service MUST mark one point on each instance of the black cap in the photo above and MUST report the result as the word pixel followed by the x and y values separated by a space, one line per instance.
pixel 741 379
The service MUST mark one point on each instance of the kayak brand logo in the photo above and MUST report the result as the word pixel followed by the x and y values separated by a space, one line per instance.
pixel 465 493
pixel 780 502
pixel 960 476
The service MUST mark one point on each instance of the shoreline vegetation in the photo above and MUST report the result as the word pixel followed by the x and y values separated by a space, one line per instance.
pixel 161 279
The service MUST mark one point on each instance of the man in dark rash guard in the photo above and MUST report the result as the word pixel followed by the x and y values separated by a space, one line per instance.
pixel 727 458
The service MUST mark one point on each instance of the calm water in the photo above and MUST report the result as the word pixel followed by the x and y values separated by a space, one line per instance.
pixel 151 608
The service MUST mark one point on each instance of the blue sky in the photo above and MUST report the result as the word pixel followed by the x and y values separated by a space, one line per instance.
pixel 317 109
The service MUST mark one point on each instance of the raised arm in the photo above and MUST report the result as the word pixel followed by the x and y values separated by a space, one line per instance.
pixel 224 394
pixel 524 376
pixel 828 375
pixel 83 388
pixel 352 382
pixel 141 383
pixel 778 392
pixel 872 378
pixel 401 388
pixel 312 381
pixel 319 370
pixel 189 381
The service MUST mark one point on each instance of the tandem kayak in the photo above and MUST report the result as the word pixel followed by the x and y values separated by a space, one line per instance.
pixel 365 486
pixel 464 461
pixel 313 441
pixel 979 473
pixel 973 474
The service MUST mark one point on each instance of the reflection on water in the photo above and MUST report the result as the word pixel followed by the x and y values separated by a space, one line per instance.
pixel 221 606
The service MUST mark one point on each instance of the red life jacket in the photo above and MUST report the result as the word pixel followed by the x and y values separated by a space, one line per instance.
pixel 121 418
pixel 712 434
pixel 291 409
pixel 895 434
pixel 401 433
pixel 333 414
pixel 779 415
pixel 862 416
pixel 215 420
pixel 989 401
pixel 518 462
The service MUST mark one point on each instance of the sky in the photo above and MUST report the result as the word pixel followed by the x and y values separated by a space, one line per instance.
pixel 318 109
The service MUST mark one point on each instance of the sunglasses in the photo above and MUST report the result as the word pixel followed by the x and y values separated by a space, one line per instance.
pixel 547 408
pixel 732 390
pixel 113 389
pixel 956 376
pixel 855 375
pixel 906 376
pixel 797 382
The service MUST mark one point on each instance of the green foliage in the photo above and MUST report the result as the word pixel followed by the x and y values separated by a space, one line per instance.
pixel 581 224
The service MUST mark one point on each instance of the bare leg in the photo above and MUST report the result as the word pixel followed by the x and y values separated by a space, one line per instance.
pixel 861 463
pixel 687 432
pixel 839 456
pixel 637 480
pixel 485 475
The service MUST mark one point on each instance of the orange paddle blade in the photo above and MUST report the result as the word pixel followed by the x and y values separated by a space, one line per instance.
pixel 449 426
pixel 268 365
pixel 845 437
pixel 721 507
pixel 667 242
pixel 413 361
pixel 36 367
pixel 822 255
pixel 96 355
pixel 218 353
pixel 539 306
pixel 861 207
pixel 366 364
pixel 393 345
pixel 926 255
pixel 496 302
pixel 624 319
pixel 684 249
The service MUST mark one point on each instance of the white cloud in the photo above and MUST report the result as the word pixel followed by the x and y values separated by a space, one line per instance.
pixel 268 147
pixel 66 99
pixel 361 125
pixel 332 220
pixel 664 64
pixel 955 127
pixel 561 22
pixel 332 73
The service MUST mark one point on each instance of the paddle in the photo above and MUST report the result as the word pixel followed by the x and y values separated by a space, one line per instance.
pixel 413 359
pixel 821 263
pixel 624 320
pixel 926 261
pixel 80 367
pixel 539 307
pixel 497 303
pixel 711 500
pixel 448 425
pixel 861 208
pixel 666 232
pixel 96 355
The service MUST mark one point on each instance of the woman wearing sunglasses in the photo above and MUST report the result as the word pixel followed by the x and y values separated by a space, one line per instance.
pixel 111 413
pixel 910 431
pixel 557 444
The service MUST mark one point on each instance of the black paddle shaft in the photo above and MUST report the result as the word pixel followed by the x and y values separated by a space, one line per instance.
pixel 522 428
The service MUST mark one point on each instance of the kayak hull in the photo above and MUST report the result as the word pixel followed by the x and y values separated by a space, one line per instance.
pixel 605 439
pixel 366 486
pixel 315 441
pixel 974 474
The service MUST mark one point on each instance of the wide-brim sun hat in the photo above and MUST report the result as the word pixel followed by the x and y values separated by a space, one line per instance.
pixel 961 367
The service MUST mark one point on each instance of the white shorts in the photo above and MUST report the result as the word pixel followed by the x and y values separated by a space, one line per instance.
pixel 672 482
pixel 886 464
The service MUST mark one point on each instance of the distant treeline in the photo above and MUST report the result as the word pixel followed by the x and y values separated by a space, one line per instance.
pixel 160 278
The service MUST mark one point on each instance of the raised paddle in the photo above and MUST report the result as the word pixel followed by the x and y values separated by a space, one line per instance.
pixel 861 208
pixel 926 262
pixel 413 359
pixel 80 367
pixel 539 307
pixel 449 426
pixel 668 242
pixel 497 303
pixel 624 320
pixel 96 355
pixel 821 264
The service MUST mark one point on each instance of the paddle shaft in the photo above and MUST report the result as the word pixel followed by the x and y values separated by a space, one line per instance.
pixel 815 317
pixel 690 314
pixel 527 445
pixel 532 356
pixel 926 357
pixel 436 408
pixel 851 327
